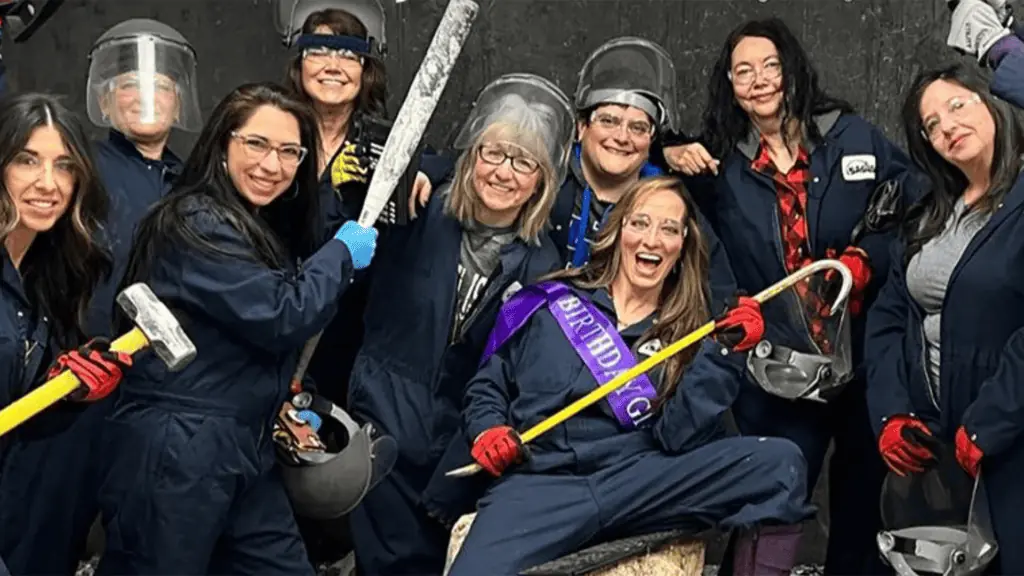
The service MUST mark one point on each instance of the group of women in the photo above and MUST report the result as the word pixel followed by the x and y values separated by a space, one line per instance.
pixel 569 239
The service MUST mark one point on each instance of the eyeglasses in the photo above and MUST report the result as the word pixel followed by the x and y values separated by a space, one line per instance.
pixel 610 122
pixel 745 74
pixel 496 156
pixel 666 228
pixel 955 108
pixel 257 148
pixel 321 56
pixel 27 167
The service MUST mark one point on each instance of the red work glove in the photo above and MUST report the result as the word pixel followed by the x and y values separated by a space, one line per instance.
pixel 907 445
pixel 741 326
pixel 498 448
pixel 860 268
pixel 96 366
pixel 967 452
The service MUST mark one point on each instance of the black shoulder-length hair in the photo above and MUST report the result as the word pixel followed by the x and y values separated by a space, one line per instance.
pixel 946 182
pixel 726 124
pixel 63 265
pixel 287 228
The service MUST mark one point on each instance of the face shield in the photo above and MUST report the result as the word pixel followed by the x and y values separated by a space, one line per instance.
pixel 291 15
pixel 526 110
pixel 936 521
pixel 143 84
pixel 814 361
pixel 634 72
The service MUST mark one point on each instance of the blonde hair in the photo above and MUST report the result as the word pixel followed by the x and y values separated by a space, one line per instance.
pixel 683 304
pixel 463 201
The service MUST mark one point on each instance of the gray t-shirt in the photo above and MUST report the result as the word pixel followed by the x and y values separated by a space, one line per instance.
pixel 478 258
pixel 928 275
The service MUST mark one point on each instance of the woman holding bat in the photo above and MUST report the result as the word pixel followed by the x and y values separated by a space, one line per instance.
pixel 52 205
pixel 654 456
pixel 192 485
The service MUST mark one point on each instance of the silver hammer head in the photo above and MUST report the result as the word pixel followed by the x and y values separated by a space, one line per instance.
pixel 161 328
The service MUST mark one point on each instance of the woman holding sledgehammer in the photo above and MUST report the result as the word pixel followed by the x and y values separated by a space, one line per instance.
pixel 51 207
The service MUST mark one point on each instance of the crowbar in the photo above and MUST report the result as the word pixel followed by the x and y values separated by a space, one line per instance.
pixel 675 348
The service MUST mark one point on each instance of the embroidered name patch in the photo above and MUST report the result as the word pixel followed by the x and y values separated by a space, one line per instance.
pixel 858 167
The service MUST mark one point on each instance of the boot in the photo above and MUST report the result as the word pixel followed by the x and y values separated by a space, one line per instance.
pixel 766 551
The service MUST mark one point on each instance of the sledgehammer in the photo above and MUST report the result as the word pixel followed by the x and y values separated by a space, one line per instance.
pixel 155 327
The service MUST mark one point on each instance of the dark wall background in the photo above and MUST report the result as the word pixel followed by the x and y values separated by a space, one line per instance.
pixel 867 51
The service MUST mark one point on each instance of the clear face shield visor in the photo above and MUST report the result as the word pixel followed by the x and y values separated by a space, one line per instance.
pixel 936 522
pixel 809 358
pixel 527 111
pixel 143 84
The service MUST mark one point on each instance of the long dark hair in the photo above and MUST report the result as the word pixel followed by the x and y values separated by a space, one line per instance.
pixel 947 183
pixel 726 124
pixel 683 306
pixel 373 94
pixel 64 264
pixel 289 227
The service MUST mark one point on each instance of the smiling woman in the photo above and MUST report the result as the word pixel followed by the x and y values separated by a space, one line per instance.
pixel 53 201
pixel 221 249
pixel 51 208
pixel 644 288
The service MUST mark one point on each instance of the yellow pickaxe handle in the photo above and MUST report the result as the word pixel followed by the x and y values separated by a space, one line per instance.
pixel 666 353
pixel 57 388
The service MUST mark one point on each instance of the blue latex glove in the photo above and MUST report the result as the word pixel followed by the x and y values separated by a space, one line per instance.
pixel 361 242
pixel 311 418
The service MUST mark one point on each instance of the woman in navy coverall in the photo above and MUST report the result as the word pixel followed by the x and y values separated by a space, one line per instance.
pixel 594 477
pixel 946 337
pixel 51 209
pixel 192 486
pixel 435 292
pixel 779 199
pixel 347 89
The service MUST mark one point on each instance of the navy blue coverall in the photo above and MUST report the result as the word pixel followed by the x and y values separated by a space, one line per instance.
pixel 192 485
pixel 408 376
pixel 587 480
pixel 27 497
pixel 743 208
pixel 982 351
pixel 723 284
pixel 133 183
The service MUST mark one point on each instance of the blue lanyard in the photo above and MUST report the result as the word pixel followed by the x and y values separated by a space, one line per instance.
pixel 578 229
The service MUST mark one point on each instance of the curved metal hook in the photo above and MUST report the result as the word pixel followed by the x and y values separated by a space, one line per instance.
pixel 806 272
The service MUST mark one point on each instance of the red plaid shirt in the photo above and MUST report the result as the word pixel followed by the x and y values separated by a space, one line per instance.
pixel 791 192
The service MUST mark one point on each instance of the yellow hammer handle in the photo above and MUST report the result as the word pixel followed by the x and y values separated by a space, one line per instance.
pixel 57 388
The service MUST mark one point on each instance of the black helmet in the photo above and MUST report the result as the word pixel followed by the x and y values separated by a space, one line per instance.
pixel 327 473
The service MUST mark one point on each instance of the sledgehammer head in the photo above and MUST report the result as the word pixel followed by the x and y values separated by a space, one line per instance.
pixel 161 328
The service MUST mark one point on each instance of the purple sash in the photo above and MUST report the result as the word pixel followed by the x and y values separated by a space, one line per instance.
pixel 592 336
